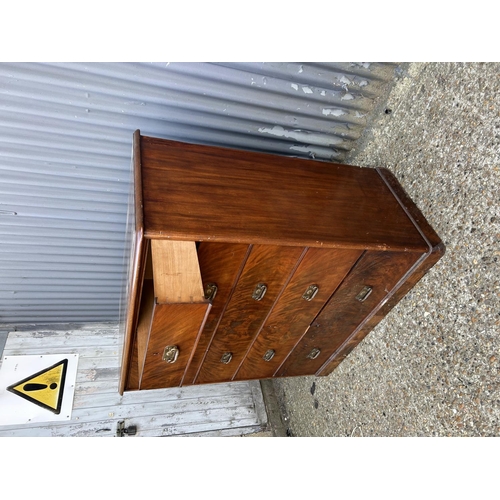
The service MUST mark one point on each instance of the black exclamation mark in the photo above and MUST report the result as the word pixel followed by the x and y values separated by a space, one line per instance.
pixel 38 387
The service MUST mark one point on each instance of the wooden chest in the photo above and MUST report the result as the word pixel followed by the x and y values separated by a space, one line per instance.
pixel 250 266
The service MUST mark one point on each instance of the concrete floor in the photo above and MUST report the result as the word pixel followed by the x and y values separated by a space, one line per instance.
pixel 431 367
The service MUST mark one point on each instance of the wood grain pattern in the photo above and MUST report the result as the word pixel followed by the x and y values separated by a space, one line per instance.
pixel 344 313
pixel 437 250
pixel 435 245
pixel 132 382
pixel 220 263
pixel 219 194
pixel 140 342
pixel 144 323
pixel 244 316
pixel 173 324
pixel 359 334
pixel 148 266
pixel 135 250
pixel 176 272
pixel 292 315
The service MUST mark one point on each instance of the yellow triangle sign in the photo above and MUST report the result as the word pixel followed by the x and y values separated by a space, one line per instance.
pixel 44 388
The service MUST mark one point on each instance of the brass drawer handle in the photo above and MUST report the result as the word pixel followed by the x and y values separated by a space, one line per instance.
pixel 210 291
pixel 259 292
pixel 365 292
pixel 269 355
pixel 311 292
pixel 226 358
pixel 314 353
pixel 170 354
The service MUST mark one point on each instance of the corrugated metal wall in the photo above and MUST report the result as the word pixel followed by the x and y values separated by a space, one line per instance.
pixel 65 145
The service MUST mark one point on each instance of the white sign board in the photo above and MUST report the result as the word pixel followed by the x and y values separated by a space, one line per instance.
pixel 37 388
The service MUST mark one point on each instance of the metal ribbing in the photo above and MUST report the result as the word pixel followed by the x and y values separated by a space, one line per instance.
pixel 65 146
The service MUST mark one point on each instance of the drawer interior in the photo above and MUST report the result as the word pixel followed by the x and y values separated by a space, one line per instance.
pixel 172 314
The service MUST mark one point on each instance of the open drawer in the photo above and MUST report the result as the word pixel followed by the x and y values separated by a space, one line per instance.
pixel 172 313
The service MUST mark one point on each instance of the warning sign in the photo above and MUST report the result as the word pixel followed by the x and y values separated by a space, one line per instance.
pixel 37 388
pixel 45 388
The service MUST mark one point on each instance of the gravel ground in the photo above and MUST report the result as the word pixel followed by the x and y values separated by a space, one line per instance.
pixel 431 367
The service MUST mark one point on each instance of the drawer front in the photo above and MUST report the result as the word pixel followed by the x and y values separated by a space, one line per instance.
pixel 220 264
pixel 246 311
pixel 318 275
pixel 363 290
pixel 177 327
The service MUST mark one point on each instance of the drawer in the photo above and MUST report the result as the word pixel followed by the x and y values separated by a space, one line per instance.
pixel 360 295
pixel 221 265
pixel 173 337
pixel 268 265
pixel 172 314
pixel 316 278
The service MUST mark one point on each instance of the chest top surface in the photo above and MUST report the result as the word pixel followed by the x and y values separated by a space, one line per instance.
pixel 206 193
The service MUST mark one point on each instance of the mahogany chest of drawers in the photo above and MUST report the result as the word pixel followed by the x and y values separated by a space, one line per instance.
pixel 249 266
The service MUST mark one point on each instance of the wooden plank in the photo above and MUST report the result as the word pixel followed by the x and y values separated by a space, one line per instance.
pixel 93 363
pixel 177 411
pixel 205 392
pixel 145 428
pixel 219 423
pixel 98 363
pixel 188 414
pixel 97 387
pixel 81 330
pixel 292 315
pixel 84 352
pixel 110 389
pixel 233 432
pixel 189 392
pixel 93 369
pixel 176 272
pixel 93 374
pixel 219 194
pixel 69 341
pixel 80 337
